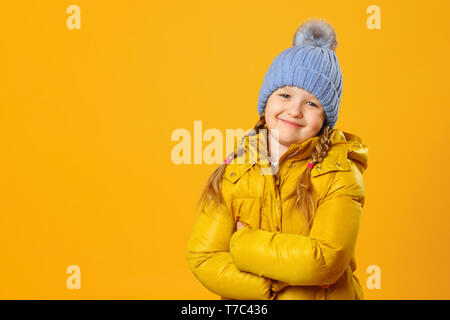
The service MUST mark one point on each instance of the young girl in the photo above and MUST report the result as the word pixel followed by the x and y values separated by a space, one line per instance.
pixel 280 218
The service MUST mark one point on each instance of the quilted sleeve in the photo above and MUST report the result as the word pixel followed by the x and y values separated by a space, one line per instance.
pixel 318 259
pixel 209 259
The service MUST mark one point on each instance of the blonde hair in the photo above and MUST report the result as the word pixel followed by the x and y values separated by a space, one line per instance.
pixel 304 201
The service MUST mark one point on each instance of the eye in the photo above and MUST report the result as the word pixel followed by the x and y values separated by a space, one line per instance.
pixel 312 103
pixel 284 94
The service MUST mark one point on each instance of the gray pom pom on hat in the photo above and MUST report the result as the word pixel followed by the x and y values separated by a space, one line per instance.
pixel 317 33
pixel 311 64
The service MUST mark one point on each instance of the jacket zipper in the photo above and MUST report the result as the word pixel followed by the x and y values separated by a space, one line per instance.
pixel 277 182
pixel 277 174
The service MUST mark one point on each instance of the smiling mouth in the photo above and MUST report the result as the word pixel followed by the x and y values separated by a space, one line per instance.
pixel 291 123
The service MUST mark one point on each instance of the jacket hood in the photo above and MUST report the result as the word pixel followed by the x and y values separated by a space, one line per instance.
pixel 358 151
pixel 344 145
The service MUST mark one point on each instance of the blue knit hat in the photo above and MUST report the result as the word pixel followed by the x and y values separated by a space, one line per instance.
pixel 310 64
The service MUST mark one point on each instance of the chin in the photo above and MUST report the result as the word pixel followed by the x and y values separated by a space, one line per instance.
pixel 288 139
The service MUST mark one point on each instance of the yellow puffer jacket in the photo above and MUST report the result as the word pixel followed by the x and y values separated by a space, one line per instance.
pixel 272 258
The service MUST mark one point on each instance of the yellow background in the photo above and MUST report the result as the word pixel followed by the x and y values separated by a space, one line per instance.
pixel 86 118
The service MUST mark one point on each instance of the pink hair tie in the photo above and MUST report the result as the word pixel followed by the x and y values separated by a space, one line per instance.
pixel 310 165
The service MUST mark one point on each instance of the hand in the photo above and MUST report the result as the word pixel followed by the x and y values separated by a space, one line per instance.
pixel 239 225
pixel 277 286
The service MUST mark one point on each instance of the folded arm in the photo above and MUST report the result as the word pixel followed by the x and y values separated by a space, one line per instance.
pixel 317 259
pixel 209 259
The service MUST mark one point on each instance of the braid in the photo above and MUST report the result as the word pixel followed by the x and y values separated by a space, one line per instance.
pixel 304 201
pixel 321 150
pixel 213 188
pixel 261 123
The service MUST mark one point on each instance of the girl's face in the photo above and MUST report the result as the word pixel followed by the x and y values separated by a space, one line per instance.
pixel 300 108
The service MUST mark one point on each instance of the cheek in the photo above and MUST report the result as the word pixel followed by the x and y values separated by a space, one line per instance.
pixel 273 107
pixel 315 119
pixel 271 117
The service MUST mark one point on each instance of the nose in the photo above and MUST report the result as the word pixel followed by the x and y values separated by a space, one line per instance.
pixel 295 110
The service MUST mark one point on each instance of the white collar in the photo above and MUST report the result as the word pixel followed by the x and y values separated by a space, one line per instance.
pixel 275 163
